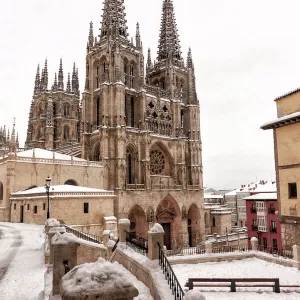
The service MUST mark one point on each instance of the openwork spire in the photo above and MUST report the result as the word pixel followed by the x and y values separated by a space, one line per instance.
pixel 138 36
pixel 75 80
pixel 37 81
pixel 54 86
pixel 69 84
pixel 113 22
pixel 189 61
pixel 61 77
pixel 169 43
pixel 149 60
pixel 91 36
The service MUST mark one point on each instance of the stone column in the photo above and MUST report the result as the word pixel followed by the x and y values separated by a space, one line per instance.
pixel 52 232
pixel 254 243
pixel 105 236
pixel 208 248
pixel 124 225
pixel 184 233
pixel 64 257
pixel 296 256
pixel 155 235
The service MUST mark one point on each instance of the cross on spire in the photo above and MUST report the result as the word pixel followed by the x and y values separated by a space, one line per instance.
pixel 169 43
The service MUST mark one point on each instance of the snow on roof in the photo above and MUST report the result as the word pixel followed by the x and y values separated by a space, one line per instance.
pixel 59 189
pixel 262 196
pixel 256 187
pixel 281 119
pixel 213 196
pixel 46 154
pixel 232 193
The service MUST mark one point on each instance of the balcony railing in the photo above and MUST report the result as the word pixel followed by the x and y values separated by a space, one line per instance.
pixel 137 243
pixel 272 211
pixel 253 210
pixel 273 230
pixel 254 227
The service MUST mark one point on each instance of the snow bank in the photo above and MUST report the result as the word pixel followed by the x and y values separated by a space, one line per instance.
pixel 124 221
pixel 157 228
pixel 193 295
pixel 101 275
pixel 52 222
pixel 64 239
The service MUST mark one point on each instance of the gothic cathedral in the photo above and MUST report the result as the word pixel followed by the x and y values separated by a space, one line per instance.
pixel 140 119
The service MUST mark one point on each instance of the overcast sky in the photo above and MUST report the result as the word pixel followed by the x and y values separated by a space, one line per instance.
pixel 246 53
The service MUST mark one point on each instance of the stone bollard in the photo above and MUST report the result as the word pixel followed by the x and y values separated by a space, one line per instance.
pixel 52 232
pixel 124 225
pixel 101 280
pixel 208 248
pixel 106 235
pixel 155 235
pixel 296 256
pixel 254 243
pixel 64 257
pixel 51 223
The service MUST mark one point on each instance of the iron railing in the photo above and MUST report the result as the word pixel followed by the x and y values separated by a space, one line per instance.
pixel 170 276
pixel 275 251
pixel 229 248
pixel 137 243
pixel 115 246
pixel 200 249
pixel 85 236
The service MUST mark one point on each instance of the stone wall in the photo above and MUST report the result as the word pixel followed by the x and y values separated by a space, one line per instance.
pixel 87 252
pixel 290 234
pixel 139 271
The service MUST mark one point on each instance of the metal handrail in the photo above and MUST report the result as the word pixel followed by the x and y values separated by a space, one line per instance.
pixel 85 236
pixel 170 276
pixel 115 246
pixel 137 243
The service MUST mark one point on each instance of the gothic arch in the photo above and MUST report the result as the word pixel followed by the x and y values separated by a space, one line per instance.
pixel 138 221
pixel 131 164
pixel 193 225
pixel 66 133
pixel 169 216
pixel 66 109
pixel 96 152
pixel 1 191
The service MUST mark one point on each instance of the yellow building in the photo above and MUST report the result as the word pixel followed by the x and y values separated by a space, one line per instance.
pixel 286 130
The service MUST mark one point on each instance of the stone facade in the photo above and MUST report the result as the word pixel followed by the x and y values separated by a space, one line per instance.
pixel 54 117
pixel 287 162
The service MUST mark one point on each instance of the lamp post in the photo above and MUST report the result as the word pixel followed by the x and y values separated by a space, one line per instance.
pixel 47 187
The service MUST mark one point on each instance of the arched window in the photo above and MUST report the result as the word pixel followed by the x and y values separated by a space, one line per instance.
pixel 181 119
pixel 132 112
pixel 66 109
pixel 1 191
pixel 125 70
pixel 132 76
pixel 129 168
pixel 66 133
pixel 98 112
pixel 71 182
pixel 214 222
pixel 97 77
pixel 54 110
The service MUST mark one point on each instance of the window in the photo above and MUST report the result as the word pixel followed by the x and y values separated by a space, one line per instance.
pixel 66 109
pixel 1 191
pixel 44 206
pixel 28 206
pixel 15 206
pixel 35 209
pixel 129 168
pixel 272 209
pixel 292 190
pixel 86 208
pixel 275 246
pixel 253 208
pixel 273 226
pixel 265 241
pixel 214 222
pixel 98 112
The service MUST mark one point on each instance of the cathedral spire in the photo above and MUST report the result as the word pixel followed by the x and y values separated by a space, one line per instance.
pixel 138 36
pixel 169 43
pixel 54 86
pixel 114 23
pixel 45 81
pixel 61 77
pixel 91 36
pixel 149 60
pixel 37 81
pixel 189 61
pixel 69 84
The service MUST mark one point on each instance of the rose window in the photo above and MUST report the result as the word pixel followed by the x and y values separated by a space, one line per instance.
pixel 157 162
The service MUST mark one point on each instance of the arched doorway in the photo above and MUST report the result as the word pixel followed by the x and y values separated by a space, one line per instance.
pixel 138 221
pixel 71 182
pixel 169 216
pixel 193 225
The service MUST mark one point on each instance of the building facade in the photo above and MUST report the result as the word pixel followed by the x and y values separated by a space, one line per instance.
pixel 263 222
pixel 55 114
pixel 144 127
pixel 287 163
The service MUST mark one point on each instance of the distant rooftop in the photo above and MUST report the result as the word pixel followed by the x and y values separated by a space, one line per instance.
pixel 263 196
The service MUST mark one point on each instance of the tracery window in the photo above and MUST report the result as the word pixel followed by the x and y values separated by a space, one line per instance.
pixel 157 162
pixel 66 133
pixel 66 109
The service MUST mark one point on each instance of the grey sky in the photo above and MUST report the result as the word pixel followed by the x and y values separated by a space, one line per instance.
pixel 246 53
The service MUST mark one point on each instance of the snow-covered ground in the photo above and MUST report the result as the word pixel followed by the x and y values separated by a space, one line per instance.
pixel 248 268
pixel 21 261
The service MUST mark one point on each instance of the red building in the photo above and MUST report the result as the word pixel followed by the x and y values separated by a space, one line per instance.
pixel 262 221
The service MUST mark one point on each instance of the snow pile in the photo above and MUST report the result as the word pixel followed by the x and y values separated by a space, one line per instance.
pixel 101 275
pixel 110 244
pixel 141 259
pixel 52 222
pixel 124 221
pixel 193 295
pixel 157 228
pixel 106 232
pixel 57 230
pixel 64 239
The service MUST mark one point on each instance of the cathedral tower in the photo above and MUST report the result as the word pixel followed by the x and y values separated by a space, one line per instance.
pixel 145 127
pixel 54 117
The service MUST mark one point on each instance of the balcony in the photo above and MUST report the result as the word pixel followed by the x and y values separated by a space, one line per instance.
pixel 253 210
pixel 273 230
pixel 272 211
pixel 254 227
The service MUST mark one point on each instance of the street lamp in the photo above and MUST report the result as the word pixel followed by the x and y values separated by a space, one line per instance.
pixel 47 187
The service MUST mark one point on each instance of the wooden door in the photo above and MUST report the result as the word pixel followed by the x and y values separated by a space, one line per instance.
pixel 167 238
pixel 21 214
